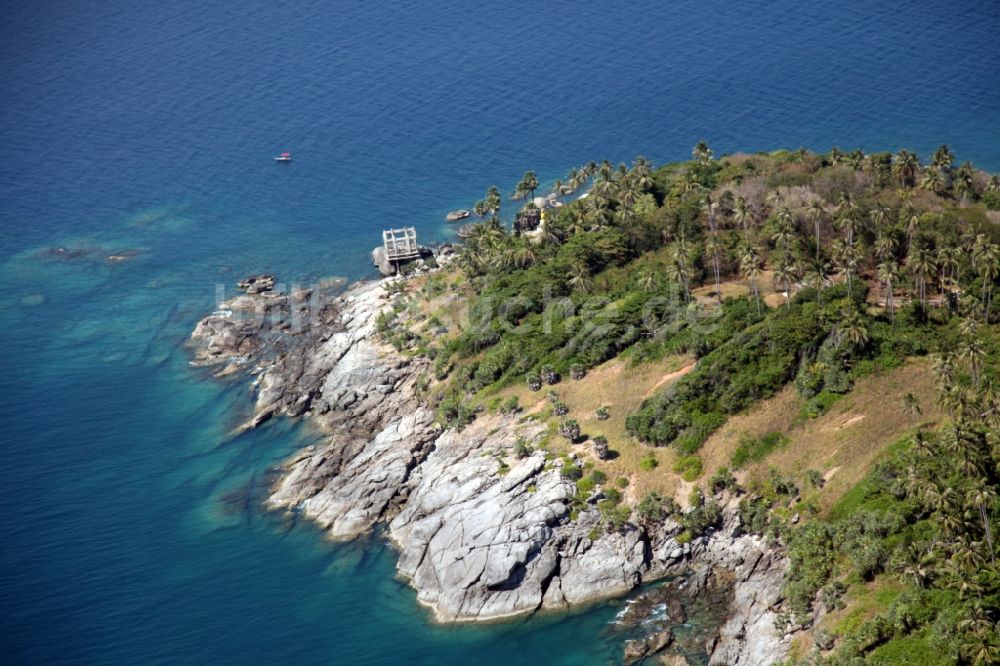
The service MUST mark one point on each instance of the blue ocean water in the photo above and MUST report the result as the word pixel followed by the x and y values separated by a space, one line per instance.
pixel 132 531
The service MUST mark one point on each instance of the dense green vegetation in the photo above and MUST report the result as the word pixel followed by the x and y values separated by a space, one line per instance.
pixel 925 518
pixel 873 258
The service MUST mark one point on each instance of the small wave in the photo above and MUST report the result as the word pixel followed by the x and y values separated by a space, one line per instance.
pixel 658 614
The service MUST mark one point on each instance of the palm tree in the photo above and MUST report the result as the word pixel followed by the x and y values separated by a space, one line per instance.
pixel 847 262
pixel 943 369
pixel 783 236
pixel 919 565
pixel 551 235
pixel 557 189
pixel 817 278
pixel 933 180
pixel 872 167
pixel 520 255
pixel 784 275
pixel 885 247
pixel 628 193
pixel 920 263
pixel 973 352
pixel 849 222
pixel 815 212
pixel 750 265
pixel 605 171
pixel 690 183
pixel 912 407
pixel 642 170
pixel 744 215
pixel 980 650
pixel 679 269
pixel 986 260
pixel 648 280
pixel 906 166
pixel 949 261
pixel 493 201
pixel 712 245
pixel 530 182
pixel 887 275
pixel 580 278
pixel 852 329
pixel 480 209
pixel 879 216
pixel 943 157
pixel 856 158
pixel 964 180
pixel 845 204
pixel 911 221
pixel 702 153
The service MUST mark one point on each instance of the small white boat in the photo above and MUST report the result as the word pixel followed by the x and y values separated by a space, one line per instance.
pixel 283 157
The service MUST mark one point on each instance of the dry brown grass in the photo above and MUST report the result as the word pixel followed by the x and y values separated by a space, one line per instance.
pixel 841 444
pixel 621 388
pixel 739 288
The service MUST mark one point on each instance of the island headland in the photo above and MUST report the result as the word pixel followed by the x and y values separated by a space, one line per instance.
pixel 433 434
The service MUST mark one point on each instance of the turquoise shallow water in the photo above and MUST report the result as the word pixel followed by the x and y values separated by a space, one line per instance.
pixel 131 524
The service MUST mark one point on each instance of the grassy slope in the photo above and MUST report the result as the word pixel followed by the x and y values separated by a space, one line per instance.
pixel 841 444
pixel 621 388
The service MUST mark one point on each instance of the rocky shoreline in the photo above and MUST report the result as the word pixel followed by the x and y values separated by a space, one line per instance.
pixel 482 534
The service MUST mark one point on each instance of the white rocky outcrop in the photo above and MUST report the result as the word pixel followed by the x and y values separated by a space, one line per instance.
pixel 482 534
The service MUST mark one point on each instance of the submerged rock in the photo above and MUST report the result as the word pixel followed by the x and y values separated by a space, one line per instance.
pixel 123 255
pixel 256 284
pixel 69 253
pixel 640 648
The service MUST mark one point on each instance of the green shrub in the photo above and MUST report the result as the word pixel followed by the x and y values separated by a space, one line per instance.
pixel 571 471
pixel 748 366
pixel 649 463
pixel 585 486
pixel 614 515
pixel 534 381
pixel 570 429
pixel 655 508
pixel 820 404
pixel 689 467
pixel 814 479
pixel 601 447
pixel 755 449
pixel 991 199
pixel 722 480
pixel 699 519
pixel 612 495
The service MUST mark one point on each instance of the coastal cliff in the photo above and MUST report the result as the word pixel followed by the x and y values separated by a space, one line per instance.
pixel 484 531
